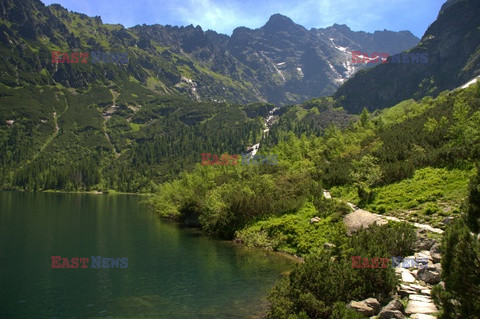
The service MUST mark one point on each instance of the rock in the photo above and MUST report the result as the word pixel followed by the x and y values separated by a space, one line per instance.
pixel 417 287
pixel 373 303
pixel 405 293
pixel 430 266
pixel 394 309
pixel 395 305
pixel 428 228
pixel 407 276
pixel 425 243
pixel 420 307
pixel 361 307
pixel 436 258
pixel 361 218
pixel 420 298
pixel 423 254
pixel 315 220
pixel 447 220
pixel 426 291
pixel 389 314
pixel 422 316
pixel 405 290
pixel 428 276
pixel 435 252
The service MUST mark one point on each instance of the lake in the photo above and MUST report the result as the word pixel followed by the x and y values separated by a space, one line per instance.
pixel 172 272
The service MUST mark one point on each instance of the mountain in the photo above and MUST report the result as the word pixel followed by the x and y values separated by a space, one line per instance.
pixel 294 64
pixel 452 43
pixel 281 62
pixel 129 126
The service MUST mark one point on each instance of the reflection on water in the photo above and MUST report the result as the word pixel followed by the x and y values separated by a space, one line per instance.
pixel 172 272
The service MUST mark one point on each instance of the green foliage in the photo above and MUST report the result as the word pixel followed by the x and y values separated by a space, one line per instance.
pixel 429 192
pixel 313 288
pixel 103 138
pixel 224 199
pixel 473 203
pixel 364 117
pixel 460 272
pixel 293 233
pixel 340 311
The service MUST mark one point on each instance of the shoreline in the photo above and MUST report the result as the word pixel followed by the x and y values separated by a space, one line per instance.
pixel 92 192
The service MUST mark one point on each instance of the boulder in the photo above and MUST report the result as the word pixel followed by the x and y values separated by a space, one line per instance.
pixel 362 307
pixel 361 218
pixel 373 303
pixel 315 220
pixel 435 252
pixel 395 304
pixel 425 243
pixel 394 309
pixel 428 276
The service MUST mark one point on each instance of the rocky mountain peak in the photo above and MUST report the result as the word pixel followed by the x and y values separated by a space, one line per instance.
pixel 278 22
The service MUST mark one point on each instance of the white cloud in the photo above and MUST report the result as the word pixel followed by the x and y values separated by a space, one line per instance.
pixel 208 14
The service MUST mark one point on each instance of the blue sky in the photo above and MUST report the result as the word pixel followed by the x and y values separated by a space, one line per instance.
pixel 224 15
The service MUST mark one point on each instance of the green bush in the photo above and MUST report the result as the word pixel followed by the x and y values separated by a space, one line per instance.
pixel 340 311
pixel 430 209
pixel 314 287
pixel 460 272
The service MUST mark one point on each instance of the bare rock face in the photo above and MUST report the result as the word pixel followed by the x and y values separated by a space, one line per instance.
pixel 441 41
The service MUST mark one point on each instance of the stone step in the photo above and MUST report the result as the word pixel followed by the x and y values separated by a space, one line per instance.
pixel 420 298
pixel 416 307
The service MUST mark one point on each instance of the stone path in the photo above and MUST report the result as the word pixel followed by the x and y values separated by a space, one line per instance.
pixel 417 276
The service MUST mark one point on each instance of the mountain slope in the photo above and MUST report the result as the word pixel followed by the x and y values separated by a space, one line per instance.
pixel 453 46
pixel 281 62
